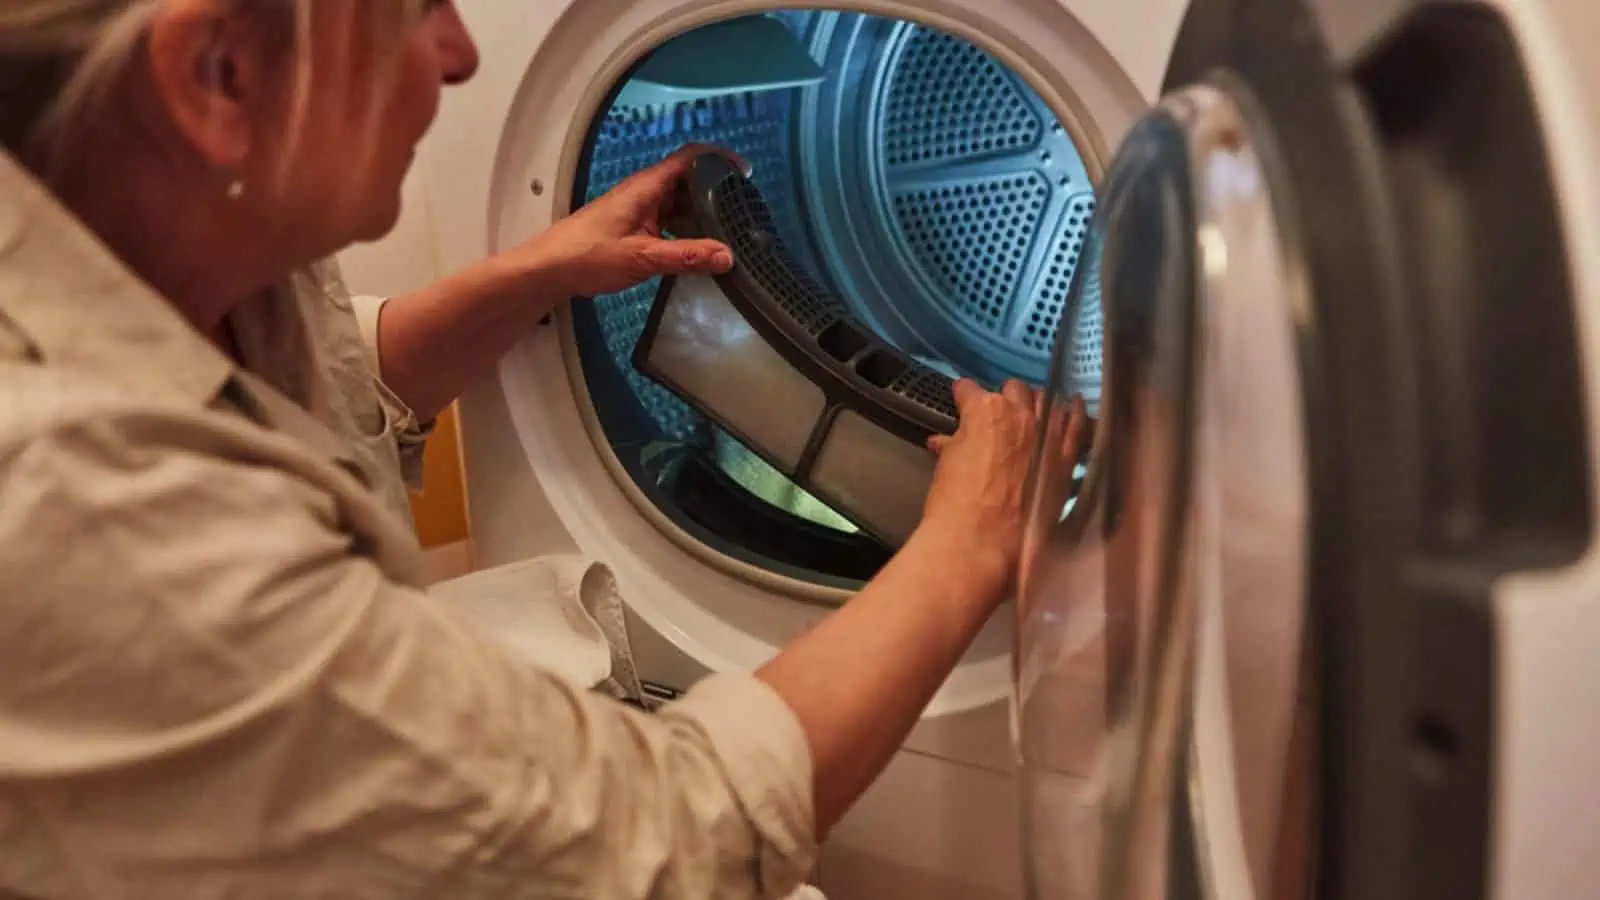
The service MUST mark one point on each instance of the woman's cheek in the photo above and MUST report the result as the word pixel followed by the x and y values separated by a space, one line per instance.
pixel 423 89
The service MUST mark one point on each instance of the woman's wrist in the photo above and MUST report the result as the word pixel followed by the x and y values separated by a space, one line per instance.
pixel 970 563
pixel 528 280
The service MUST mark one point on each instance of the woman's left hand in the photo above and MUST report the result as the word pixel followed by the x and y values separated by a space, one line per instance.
pixel 615 242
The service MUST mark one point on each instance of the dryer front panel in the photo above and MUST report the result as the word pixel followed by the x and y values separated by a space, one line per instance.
pixel 932 164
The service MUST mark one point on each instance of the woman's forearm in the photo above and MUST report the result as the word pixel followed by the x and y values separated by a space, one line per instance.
pixel 435 342
pixel 859 681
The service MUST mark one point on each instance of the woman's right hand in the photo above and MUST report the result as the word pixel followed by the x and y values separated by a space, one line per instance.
pixel 977 498
pixel 858 681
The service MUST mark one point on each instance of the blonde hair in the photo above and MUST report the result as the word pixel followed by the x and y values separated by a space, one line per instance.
pixel 59 60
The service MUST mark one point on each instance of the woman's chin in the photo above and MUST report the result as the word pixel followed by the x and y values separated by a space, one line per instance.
pixel 379 223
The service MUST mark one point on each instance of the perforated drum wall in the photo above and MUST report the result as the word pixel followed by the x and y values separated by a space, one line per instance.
pixel 948 202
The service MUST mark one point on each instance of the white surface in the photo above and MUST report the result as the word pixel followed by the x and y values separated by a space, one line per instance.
pixel 1546 839
pixel 537 611
pixel 928 829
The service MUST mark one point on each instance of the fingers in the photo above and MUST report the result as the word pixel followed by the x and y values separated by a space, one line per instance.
pixel 684 258
pixel 1016 393
pixel 687 154
pixel 648 200
pixel 967 393
pixel 653 188
pixel 661 179
pixel 1020 395
pixel 938 443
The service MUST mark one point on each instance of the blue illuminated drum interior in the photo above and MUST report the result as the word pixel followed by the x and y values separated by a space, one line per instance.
pixel 915 176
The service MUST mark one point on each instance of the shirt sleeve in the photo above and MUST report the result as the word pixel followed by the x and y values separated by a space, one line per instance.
pixel 208 692
pixel 410 434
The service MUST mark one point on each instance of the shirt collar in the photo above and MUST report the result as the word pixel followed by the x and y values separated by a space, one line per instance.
pixel 83 309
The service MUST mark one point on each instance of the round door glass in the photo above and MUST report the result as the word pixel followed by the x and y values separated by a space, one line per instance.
pixel 911 173
pixel 1160 623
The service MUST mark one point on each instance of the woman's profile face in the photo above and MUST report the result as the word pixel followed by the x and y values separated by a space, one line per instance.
pixel 367 109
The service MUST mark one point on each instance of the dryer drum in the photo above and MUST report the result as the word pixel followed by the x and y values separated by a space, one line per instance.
pixel 920 181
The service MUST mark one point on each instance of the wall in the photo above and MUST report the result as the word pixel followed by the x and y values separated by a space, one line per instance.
pixel 405 261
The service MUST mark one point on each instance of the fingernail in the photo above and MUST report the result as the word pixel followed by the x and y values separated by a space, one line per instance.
pixel 722 259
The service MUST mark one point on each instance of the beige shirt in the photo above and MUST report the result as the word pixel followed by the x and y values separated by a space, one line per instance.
pixel 219 675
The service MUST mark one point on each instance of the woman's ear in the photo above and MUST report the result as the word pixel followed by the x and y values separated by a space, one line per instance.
pixel 208 71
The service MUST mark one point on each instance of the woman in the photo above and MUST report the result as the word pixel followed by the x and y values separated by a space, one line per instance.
pixel 222 677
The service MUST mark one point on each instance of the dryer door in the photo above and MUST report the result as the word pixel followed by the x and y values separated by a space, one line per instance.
pixel 1258 653
pixel 1189 528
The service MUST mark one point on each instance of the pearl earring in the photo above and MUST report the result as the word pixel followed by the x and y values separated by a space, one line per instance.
pixel 235 189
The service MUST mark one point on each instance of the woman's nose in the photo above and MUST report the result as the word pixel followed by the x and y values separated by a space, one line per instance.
pixel 458 53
